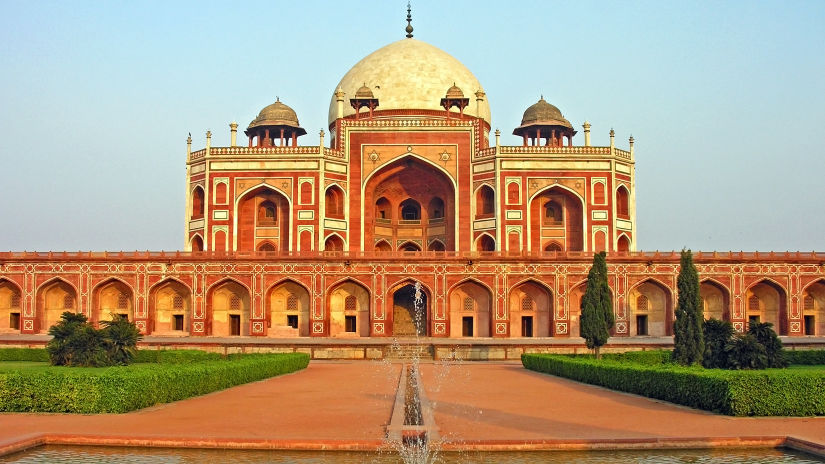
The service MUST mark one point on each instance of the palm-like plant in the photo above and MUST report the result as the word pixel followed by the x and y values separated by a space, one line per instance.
pixel 121 337
pixel 765 335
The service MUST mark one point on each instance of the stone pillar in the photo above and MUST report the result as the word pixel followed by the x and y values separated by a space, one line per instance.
pixel 339 99
pixel 631 146
pixel 586 127
pixel 188 146
pixel 498 138
pixel 233 134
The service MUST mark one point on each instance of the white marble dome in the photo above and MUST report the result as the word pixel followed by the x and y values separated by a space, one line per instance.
pixel 410 74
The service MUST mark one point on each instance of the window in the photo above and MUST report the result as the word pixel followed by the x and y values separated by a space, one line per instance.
pixel 234 303
pixel 177 320
pixel 350 303
pixel 267 214
pixel 807 305
pixel 382 211
pixel 177 302
pixel 552 214
pixel 122 301
pixel 350 323
pixel 435 209
pixel 527 303
pixel 292 321
pixel 15 301
pixel 291 303
pixel 641 325
pixel 468 304
pixel 68 302
pixel 410 210
pixel 642 303
pixel 753 303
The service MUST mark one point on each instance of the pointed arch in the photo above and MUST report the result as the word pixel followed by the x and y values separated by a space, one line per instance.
pixel 470 306
pixel 249 214
pixel 485 197
pixel 485 242
pixel 349 306
pixel 11 306
pixel 196 243
pixel 813 308
pixel 228 308
pixel 715 299
pixel 622 202
pixel 170 308
pixel 409 316
pixel 383 246
pixel 409 246
pixel 288 306
pixel 334 201
pixel 267 246
pixel 335 243
pixel 623 243
pixel 198 202
pixel 567 211
pixel 110 297
pixel 657 318
pixel 771 298
pixel 436 245
pixel 53 298
pixel 530 307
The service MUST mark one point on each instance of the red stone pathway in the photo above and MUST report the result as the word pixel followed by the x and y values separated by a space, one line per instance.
pixel 349 404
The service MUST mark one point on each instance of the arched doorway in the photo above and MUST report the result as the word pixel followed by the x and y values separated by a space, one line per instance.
pixel 334 243
pixel 349 310
pixel 651 310
pixel 557 213
pixel 170 308
pixel 531 311
pixel 197 243
pixel 410 312
pixel 766 301
pixel 485 243
pixel 470 310
pixel 53 299
pixel 111 299
pixel 10 307
pixel 229 305
pixel 715 300
pixel 288 307
pixel 263 216
pixel 410 200
pixel 813 309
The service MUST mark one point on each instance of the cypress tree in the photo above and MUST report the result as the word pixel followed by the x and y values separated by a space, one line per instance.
pixel 597 306
pixel 689 340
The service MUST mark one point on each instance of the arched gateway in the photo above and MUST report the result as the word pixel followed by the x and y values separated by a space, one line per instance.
pixel 410 311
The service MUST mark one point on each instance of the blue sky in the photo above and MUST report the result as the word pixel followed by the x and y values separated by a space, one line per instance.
pixel 726 101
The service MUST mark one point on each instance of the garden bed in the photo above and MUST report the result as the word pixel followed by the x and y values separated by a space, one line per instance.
pixel 158 377
pixel 769 392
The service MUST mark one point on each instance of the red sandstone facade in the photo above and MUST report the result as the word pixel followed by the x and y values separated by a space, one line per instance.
pixel 408 188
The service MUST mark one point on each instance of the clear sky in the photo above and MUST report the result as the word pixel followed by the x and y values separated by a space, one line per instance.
pixel 726 101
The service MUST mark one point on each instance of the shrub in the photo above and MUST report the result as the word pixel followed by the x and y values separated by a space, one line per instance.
pixel 745 352
pixel 175 356
pixel 766 337
pixel 773 392
pixel 717 334
pixel 24 354
pixel 805 357
pixel 647 358
pixel 76 343
pixel 126 388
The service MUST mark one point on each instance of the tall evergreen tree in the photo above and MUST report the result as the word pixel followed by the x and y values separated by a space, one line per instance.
pixel 689 340
pixel 597 306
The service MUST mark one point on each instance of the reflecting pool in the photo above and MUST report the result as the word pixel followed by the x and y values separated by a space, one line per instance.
pixel 118 455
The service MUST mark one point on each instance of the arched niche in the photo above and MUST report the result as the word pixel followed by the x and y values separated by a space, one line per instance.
pixel 557 216
pixel 288 305
pixel 485 202
pixel 470 306
pixel 110 299
pixel 53 299
pixel 531 310
pixel 349 310
pixel 334 243
pixel 229 307
pixel 11 307
pixel 410 200
pixel 197 203
pixel 485 243
pixel 622 202
pixel 715 300
pixel 650 309
pixel 766 301
pixel 409 247
pixel 170 308
pixel 623 244
pixel 813 309
pixel 334 202
pixel 263 212
pixel 383 246
pixel 410 311
pixel 196 243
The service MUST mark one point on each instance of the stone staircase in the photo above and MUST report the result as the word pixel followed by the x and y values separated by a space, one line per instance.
pixel 404 351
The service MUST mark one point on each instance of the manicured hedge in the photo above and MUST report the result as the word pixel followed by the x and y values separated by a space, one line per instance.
pixel 126 388
pixel 805 357
pixel 24 354
pixel 648 358
pixel 771 392
pixel 175 356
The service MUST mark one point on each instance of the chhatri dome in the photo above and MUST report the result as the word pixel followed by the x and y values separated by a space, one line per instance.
pixel 410 75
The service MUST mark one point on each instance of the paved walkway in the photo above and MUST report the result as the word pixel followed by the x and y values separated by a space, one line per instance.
pixel 349 404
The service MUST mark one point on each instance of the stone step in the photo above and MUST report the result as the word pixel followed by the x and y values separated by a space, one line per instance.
pixel 411 352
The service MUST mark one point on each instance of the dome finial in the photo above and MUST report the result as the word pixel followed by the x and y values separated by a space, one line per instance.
pixel 409 28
